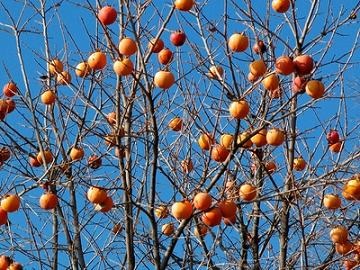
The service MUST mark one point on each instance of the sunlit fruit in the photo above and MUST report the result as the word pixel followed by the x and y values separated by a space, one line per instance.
pixel 219 153
pixel 280 6
pixel 123 67
pixel 155 46
pixel 339 234
pixel 239 109
pixel 165 56
pixel 205 141
pixel 347 195
pixel 94 161
pixel 161 212
pixel 259 139
pixel 336 147
pixel 304 64
pixel 168 229
pixel 175 124
pixel 55 67
pixel 184 5
pixel 238 42
pixel 228 208
pixel 104 206
pixel 259 47
pixel 257 68
pixel 82 69
pixel 230 220
pixel 96 195
pixel 299 164
pixel 271 82
pixel 164 79
pixel 298 84
pixel 187 165
pixel 182 210
pixel 270 166
pixel 178 38
pixel 107 15
pixel 10 203
pixel 244 139
pixel 333 136
pixel 48 157
pixel 76 153
pixel 247 192
pixel 226 140
pixel 343 248
pixel 127 46
pixel 315 89
pixel 48 97
pixel 275 136
pixel 200 230
pixel 332 201
pixel 215 72
pixel 97 60
pixel 284 65
pixel 212 217
pixel 48 201
pixel 3 219
pixel 351 189
pixel 10 89
pixel 202 201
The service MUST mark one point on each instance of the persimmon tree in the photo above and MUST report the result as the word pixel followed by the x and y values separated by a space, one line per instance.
pixel 179 135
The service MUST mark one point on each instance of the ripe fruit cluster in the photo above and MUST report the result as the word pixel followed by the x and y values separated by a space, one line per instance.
pixel 333 138
pixel 56 69
pixel 7 105
pixel 340 237
pixel 101 200
pixel 302 65
pixel 211 214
